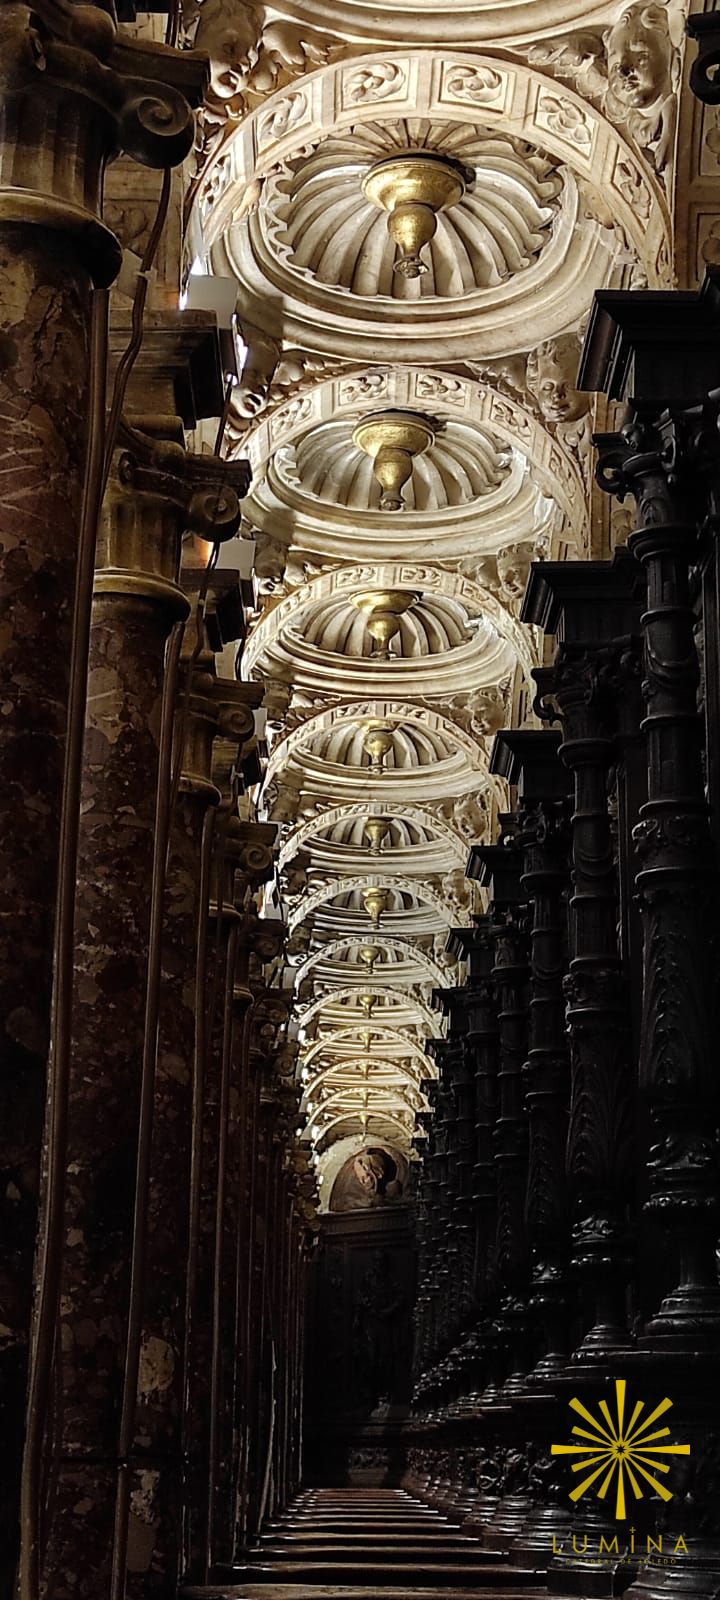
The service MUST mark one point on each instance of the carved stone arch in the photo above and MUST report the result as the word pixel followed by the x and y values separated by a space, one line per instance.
pixel 325 819
pixel 334 947
pixel 386 1035
pixel 419 891
pixel 354 1116
pixel 449 394
pixel 409 1000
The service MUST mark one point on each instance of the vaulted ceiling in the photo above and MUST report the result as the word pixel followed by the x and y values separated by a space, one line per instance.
pixel 415 204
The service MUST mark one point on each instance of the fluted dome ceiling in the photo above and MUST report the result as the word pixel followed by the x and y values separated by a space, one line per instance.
pixel 413 745
pixel 326 229
pixel 435 624
pixel 405 833
pixel 461 465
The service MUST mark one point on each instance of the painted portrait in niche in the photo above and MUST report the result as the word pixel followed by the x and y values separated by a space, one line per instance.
pixel 375 1176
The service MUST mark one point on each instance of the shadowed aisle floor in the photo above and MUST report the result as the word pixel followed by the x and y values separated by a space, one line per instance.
pixel 352 1542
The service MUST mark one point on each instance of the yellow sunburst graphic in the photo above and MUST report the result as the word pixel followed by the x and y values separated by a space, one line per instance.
pixel 618 1450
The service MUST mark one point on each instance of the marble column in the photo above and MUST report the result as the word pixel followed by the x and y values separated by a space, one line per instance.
pixel 159 1467
pixel 153 495
pixel 262 939
pixel 249 863
pixel 67 105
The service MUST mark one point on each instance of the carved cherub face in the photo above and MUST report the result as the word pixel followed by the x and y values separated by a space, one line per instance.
pixel 551 375
pixel 231 57
pixel 639 52
pixel 366 1172
pixel 513 564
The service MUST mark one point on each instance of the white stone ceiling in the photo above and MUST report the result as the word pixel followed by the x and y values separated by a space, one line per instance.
pixel 567 171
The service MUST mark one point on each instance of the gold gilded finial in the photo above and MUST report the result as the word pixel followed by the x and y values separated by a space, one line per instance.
pixel 378 743
pixel 413 188
pixel 377 830
pixel 382 609
pixel 392 440
pixel 375 901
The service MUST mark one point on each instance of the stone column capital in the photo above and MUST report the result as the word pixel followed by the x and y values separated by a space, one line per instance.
pixel 70 104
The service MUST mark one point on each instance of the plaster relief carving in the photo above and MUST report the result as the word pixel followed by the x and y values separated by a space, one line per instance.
pixel 479 86
pixel 642 76
pixel 382 80
pixel 551 376
pixel 250 50
pixel 513 567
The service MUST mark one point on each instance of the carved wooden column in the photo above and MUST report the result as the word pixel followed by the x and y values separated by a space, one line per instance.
pixel 499 866
pixel 668 460
pixel 591 607
pixel 482 1045
pixel 70 97
pixel 660 352
pixel 530 761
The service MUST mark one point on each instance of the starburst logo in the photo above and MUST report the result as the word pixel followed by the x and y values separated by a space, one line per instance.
pixel 619 1451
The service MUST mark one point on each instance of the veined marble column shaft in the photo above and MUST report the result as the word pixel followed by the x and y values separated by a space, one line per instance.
pixel 153 494
pixel 247 864
pixel 249 846
pixel 217 707
pixel 66 106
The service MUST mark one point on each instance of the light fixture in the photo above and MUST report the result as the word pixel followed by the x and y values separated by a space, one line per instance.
pixel 413 188
pixel 392 440
pixel 377 744
pixel 383 609
pixel 369 954
pixel 375 901
pixel 377 830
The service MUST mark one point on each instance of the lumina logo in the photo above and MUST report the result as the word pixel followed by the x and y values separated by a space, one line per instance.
pixel 619 1451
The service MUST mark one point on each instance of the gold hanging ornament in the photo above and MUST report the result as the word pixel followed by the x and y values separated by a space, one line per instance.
pixel 413 189
pixel 392 440
pixel 375 900
pixel 377 744
pixel 377 830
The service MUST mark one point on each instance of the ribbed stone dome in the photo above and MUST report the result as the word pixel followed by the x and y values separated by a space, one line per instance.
pixel 433 626
pixel 461 465
pixel 323 225
pixel 412 746
pixel 405 833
